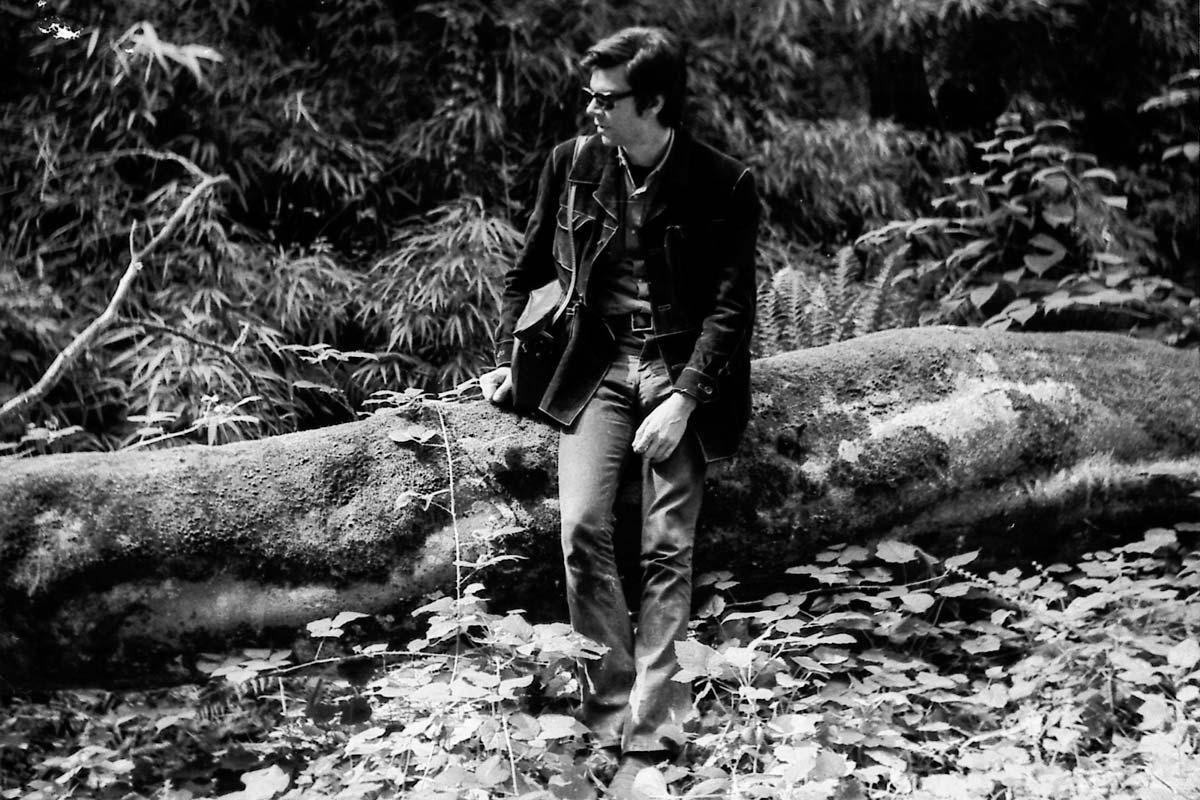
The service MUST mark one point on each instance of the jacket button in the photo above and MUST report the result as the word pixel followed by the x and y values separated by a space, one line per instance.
pixel 706 389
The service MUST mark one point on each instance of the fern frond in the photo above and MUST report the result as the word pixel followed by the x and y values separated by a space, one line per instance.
pixel 841 294
pixel 771 321
pixel 823 321
pixel 797 298
pixel 760 335
pixel 871 310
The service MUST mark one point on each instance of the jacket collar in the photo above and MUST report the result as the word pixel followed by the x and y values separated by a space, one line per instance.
pixel 656 171
pixel 599 165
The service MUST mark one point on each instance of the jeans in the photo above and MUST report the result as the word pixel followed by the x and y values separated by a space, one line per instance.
pixel 629 699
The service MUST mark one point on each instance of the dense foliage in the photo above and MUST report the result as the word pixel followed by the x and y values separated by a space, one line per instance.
pixel 878 672
pixel 381 155
pixel 1037 240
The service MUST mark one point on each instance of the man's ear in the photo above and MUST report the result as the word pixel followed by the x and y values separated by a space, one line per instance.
pixel 655 106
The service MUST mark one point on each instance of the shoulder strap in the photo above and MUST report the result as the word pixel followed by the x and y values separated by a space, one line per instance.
pixel 580 141
pixel 570 294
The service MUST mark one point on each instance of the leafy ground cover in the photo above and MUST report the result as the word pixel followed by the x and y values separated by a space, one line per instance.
pixel 881 672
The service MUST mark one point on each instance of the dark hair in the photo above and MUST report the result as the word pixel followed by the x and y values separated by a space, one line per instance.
pixel 655 64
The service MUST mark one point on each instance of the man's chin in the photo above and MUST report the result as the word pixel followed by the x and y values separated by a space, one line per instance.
pixel 605 138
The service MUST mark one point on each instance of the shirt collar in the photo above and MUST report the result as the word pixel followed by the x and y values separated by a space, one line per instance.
pixel 653 176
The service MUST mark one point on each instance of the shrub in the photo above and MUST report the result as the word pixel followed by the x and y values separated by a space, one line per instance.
pixel 1038 240
pixel 432 303
pixel 1166 185
pixel 831 179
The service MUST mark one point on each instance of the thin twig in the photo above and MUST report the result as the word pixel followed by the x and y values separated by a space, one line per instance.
pixel 160 155
pixel 228 352
pixel 112 155
pixel 83 341
pixel 338 659
pixel 512 758
pixel 457 536
pixel 195 426
pixel 207 420
pixel 76 348
pixel 452 510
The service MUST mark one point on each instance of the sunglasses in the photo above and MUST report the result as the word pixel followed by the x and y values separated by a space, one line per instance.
pixel 605 101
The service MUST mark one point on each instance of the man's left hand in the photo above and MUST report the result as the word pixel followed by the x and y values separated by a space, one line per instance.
pixel 663 429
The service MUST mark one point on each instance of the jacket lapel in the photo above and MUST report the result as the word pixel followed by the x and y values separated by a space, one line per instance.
pixel 598 166
pixel 673 192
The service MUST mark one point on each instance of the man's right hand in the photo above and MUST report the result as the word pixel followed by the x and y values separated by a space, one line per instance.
pixel 497 384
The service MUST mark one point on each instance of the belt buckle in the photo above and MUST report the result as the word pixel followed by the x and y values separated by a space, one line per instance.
pixel 634 327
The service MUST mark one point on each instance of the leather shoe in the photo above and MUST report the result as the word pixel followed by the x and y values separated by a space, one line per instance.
pixel 638 778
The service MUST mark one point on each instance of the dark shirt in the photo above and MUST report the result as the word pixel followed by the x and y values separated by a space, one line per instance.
pixel 620 282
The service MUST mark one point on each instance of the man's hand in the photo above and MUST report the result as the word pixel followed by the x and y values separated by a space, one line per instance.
pixel 663 429
pixel 497 384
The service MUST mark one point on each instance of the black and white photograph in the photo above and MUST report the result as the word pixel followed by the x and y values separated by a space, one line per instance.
pixel 583 400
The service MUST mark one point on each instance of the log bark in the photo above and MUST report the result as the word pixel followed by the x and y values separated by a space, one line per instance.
pixel 954 438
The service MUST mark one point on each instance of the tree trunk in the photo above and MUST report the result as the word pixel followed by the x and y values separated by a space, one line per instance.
pixel 954 438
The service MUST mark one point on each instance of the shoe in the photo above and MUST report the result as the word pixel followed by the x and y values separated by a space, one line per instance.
pixel 650 784
pixel 602 763
pixel 638 778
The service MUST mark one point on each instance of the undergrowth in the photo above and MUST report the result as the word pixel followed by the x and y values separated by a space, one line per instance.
pixel 882 672
pixel 797 310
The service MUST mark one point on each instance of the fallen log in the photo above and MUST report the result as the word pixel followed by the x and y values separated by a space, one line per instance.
pixel 954 438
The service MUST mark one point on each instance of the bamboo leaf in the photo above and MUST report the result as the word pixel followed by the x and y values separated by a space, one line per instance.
pixel 1100 173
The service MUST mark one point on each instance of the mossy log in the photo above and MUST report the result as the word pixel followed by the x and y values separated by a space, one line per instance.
pixel 955 438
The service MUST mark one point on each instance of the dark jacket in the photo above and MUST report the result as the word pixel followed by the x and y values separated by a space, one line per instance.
pixel 699 248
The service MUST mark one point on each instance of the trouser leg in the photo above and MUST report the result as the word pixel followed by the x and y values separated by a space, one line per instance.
pixel 589 466
pixel 672 490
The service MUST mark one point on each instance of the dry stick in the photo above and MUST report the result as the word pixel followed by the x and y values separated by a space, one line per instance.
pixel 228 352
pixel 72 351
pixel 76 348
pixel 180 213
pixel 316 662
pixel 512 758
pixel 133 152
pixel 457 537
pixel 112 155
pixel 160 155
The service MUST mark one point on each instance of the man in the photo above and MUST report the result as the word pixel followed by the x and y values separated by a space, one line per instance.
pixel 656 368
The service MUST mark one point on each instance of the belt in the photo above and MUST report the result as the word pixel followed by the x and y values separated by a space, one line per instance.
pixel 640 322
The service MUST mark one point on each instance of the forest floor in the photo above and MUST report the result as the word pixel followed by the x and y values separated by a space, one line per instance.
pixel 885 673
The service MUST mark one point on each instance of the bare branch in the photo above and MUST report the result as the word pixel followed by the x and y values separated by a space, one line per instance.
pixel 80 344
pixel 161 155
pixel 133 152
pixel 76 348
pixel 93 158
pixel 229 352
pixel 179 214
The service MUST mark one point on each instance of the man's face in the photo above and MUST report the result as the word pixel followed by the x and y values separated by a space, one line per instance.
pixel 621 125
